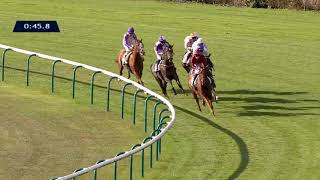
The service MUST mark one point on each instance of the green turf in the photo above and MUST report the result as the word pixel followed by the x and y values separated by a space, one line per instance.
pixel 267 72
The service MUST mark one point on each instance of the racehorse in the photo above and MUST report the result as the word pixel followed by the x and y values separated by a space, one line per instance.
pixel 135 61
pixel 168 71
pixel 203 88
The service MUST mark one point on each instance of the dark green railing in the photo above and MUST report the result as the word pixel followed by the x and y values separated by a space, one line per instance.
pixel 159 126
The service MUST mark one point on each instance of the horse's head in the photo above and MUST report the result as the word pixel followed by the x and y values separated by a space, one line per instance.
pixel 168 52
pixel 140 47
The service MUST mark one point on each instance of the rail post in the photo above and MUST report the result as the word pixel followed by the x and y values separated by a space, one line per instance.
pixel 95 172
pixel 156 132
pixel 3 60
pixel 122 98
pixel 28 67
pixel 52 74
pixel 161 112
pixel 116 166
pixel 135 105
pixel 142 156
pixel 154 113
pixel 146 112
pixel 131 160
pixel 74 80
pixel 160 127
pixel 92 85
pixel 160 121
pixel 77 171
pixel 108 92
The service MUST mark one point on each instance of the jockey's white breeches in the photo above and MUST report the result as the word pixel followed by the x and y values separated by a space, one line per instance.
pixel 185 57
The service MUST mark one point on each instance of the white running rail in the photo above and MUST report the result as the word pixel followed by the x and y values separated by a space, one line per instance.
pixel 146 90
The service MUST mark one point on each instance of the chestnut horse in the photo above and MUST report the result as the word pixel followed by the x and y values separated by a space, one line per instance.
pixel 203 88
pixel 168 71
pixel 135 61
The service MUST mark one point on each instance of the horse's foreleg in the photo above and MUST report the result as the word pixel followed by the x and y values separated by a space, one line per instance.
pixel 197 100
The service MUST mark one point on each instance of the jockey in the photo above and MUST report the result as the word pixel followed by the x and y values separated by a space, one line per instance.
pixel 128 41
pixel 201 48
pixel 197 60
pixel 199 43
pixel 158 49
pixel 188 41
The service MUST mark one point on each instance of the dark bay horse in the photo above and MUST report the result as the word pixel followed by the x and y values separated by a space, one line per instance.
pixel 135 61
pixel 203 88
pixel 168 71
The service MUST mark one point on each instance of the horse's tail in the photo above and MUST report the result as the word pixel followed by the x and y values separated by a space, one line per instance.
pixel 118 57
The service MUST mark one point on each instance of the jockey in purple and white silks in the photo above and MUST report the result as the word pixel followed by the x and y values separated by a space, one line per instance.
pixel 158 49
pixel 128 41
pixel 188 41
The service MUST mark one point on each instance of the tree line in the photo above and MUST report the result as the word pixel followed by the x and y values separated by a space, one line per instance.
pixel 278 4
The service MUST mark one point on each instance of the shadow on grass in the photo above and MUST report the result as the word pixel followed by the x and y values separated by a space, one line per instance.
pixel 276 103
pixel 244 152
pixel 257 100
pixel 253 92
pixel 239 141
pixel 274 114
pixel 258 107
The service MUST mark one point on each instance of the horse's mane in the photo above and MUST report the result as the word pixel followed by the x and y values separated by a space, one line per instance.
pixel 135 53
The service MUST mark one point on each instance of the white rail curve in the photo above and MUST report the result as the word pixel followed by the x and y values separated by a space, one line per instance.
pixel 146 90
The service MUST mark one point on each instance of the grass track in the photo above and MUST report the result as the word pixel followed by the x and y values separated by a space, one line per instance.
pixel 267 65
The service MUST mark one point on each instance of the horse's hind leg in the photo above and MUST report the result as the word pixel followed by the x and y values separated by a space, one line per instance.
pixel 209 103
pixel 176 77
pixel 174 91
pixel 129 75
pixel 164 88
pixel 180 86
pixel 197 100
pixel 120 67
